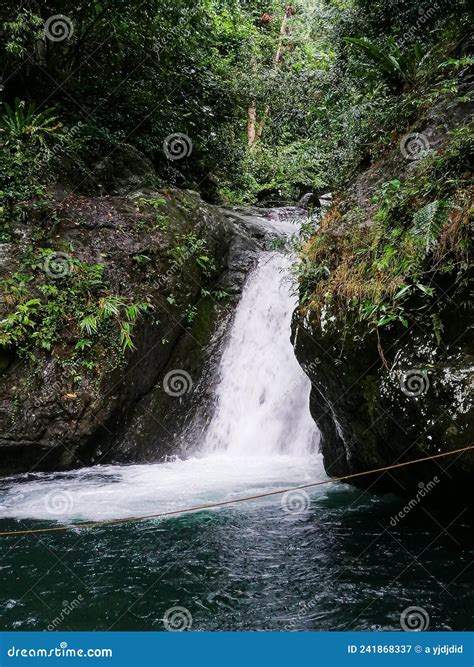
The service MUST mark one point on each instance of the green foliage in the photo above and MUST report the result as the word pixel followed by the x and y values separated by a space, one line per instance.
pixel 154 203
pixel 23 26
pixel 325 105
pixel 74 304
pixel 141 260
pixel 323 101
pixel 20 323
pixel 385 266
pixel 428 221
pixel 190 314
pixel 189 246
pixel 24 137
pixel 396 66
pixel 23 122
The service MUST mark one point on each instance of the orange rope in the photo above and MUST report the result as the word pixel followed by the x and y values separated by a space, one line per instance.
pixel 200 508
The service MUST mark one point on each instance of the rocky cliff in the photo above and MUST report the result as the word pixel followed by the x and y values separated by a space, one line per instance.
pixel 384 326
pixel 113 310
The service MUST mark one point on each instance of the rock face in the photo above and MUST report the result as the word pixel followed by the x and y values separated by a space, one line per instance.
pixel 401 395
pixel 125 169
pixel 315 200
pixel 371 416
pixel 120 410
pixel 48 421
pixel 165 424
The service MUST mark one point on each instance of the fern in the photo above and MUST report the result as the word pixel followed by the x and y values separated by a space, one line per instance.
pixel 109 306
pixel 134 310
pixel 89 324
pixel 126 332
pixel 125 316
pixel 389 61
pixel 22 121
pixel 386 62
pixel 17 325
pixel 94 274
pixel 428 221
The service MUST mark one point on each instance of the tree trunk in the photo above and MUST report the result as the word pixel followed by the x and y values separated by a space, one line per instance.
pixel 256 133
pixel 252 124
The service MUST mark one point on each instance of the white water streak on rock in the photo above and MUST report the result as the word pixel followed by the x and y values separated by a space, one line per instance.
pixel 263 394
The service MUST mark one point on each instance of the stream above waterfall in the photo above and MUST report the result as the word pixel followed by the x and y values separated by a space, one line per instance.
pixel 326 559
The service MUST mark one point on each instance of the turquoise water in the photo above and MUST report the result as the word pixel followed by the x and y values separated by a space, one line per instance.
pixel 339 565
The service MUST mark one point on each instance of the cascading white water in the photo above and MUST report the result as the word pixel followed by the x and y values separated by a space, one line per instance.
pixel 261 436
pixel 262 396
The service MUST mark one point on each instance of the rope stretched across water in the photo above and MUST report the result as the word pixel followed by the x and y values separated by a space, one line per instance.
pixel 234 501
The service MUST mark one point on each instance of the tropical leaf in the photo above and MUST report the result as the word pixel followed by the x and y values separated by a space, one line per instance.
pixel 385 61
pixel 21 121
pixel 427 222
pixel 390 61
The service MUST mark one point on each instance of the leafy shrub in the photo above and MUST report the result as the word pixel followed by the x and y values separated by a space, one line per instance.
pixel 373 269
pixel 72 303
pixel 22 122
pixel 396 66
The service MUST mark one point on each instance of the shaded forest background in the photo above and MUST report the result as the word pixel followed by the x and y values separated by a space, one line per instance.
pixel 276 99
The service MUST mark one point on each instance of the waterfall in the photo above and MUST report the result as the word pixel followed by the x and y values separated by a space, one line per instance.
pixel 261 436
pixel 262 395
